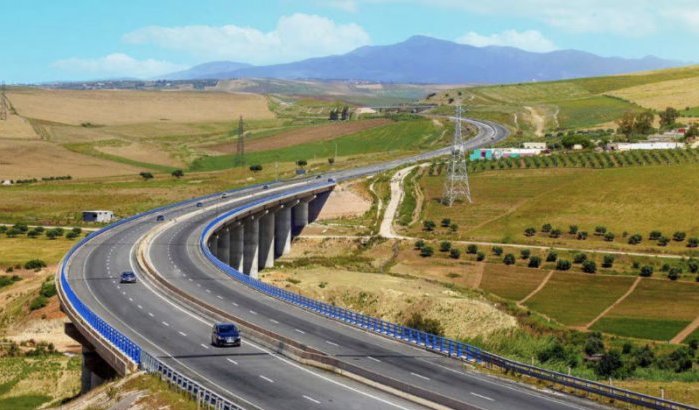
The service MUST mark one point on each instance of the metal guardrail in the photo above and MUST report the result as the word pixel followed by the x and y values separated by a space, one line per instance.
pixel 429 341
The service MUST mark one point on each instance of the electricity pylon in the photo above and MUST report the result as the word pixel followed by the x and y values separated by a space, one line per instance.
pixel 456 186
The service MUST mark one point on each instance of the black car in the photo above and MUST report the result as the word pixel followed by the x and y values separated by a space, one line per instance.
pixel 225 334
pixel 199 204
pixel 160 218
pixel 128 277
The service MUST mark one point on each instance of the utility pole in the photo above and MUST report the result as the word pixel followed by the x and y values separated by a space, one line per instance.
pixel 240 145
pixel 456 186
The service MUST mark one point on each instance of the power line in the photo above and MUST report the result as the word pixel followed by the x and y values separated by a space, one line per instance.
pixel 456 186
pixel 240 145
pixel 3 103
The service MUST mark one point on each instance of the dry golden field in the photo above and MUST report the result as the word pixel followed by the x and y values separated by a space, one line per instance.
pixel 105 107
pixel 16 128
pixel 673 93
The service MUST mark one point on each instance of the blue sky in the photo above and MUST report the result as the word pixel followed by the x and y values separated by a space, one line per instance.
pixel 89 39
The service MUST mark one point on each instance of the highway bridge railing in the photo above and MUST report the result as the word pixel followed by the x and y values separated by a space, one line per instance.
pixel 429 341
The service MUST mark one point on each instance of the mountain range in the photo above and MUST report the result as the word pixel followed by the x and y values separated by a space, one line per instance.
pixel 426 60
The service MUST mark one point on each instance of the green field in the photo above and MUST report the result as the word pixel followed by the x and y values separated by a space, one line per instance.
pixel 574 299
pixel 506 202
pixel 674 304
pixel 17 251
pixel 591 111
pixel 511 282
pixel 400 137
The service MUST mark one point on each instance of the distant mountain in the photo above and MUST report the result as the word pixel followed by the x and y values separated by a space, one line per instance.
pixel 425 60
pixel 212 70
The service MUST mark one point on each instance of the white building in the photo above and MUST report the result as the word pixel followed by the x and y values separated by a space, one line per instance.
pixel 98 216
pixel 628 146
pixel 535 145
pixel 6 182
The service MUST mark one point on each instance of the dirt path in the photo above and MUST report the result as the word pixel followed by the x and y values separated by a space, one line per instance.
pixel 386 229
pixel 479 276
pixel 537 120
pixel 686 331
pixel 538 288
pixel 613 305
pixel 419 197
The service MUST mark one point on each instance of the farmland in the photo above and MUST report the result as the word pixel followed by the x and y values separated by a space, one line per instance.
pixel 511 282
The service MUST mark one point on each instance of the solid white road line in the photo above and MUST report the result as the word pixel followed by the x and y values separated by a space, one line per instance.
pixel 232 361
pixel 311 399
pixel 482 396
pixel 332 343
pixel 274 321
pixel 204 346
pixel 266 378
pixel 183 334
pixel 300 331
pixel 166 324
pixel 253 312
pixel 140 307
pixel 373 358
pixel 219 296
pixel 420 376
pixel 150 314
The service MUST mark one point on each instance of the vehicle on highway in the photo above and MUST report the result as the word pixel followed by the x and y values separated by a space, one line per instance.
pixel 331 179
pixel 160 218
pixel 128 277
pixel 319 177
pixel 224 196
pixel 225 334
pixel 199 204
pixel 265 186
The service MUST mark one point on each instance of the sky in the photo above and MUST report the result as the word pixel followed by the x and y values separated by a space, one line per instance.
pixel 95 39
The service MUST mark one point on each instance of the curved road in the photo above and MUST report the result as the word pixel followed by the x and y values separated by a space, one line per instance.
pixel 251 374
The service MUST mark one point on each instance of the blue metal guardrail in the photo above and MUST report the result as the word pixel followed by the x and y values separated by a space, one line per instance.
pixel 426 340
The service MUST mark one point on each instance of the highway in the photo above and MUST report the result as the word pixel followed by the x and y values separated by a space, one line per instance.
pixel 179 335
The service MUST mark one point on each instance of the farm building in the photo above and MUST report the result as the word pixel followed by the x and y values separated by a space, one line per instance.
pixel 628 146
pixel 497 153
pixel 98 216
pixel 535 145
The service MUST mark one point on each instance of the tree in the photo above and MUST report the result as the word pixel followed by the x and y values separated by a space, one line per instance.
pixel 34 264
pixel 626 124
pixel 693 265
pixel 419 244
pixel 581 236
pixel 472 249
pixel 563 264
pixel 426 251
pixel 579 258
pixel 256 168
pixel 546 228
pixel 692 131
pixel 525 253
pixel 600 230
pixel 21 227
pixel 644 123
pixel 674 273
pixel 594 344
pixel 555 233
pixel 509 259
pixel 534 262
pixel 497 250
pixel 453 228
pixel 663 241
pixel 146 175
pixel 345 113
pixel 433 326
pixel 589 267
pixel 446 222
pixel 610 365
pixel 608 261
pixel 530 231
pixel 331 160
pixel 646 271
pixel 635 239
pixel 334 114
pixel 551 257
pixel 71 235
pixel 668 117
pixel 679 236
pixel 454 253
pixel 428 225
pixel 692 242
pixel 444 246
pixel 655 235
pixel 301 163
pixel 178 173
pixel 480 256
pixel 609 237
pixel 573 229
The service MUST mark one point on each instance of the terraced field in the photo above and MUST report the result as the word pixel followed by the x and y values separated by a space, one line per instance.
pixel 511 282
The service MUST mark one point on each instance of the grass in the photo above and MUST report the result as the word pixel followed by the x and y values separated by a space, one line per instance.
pixel 511 282
pixel 30 382
pixel 655 329
pixel 19 250
pixel 591 111
pixel 409 201
pixel 575 299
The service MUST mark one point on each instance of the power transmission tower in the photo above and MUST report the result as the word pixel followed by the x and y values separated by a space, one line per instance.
pixel 456 187
pixel 3 103
pixel 240 146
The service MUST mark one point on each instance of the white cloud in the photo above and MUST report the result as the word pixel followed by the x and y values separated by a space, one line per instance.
pixel 295 37
pixel 116 65
pixel 530 40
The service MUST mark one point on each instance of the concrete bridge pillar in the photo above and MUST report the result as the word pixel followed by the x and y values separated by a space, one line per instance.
pixel 299 217
pixel 282 231
pixel 95 371
pixel 251 248
pixel 213 244
pixel 316 205
pixel 267 228
pixel 235 246
pixel 224 243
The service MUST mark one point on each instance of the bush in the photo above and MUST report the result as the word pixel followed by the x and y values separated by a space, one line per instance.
pixel 34 264
pixel 21 227
pixel 525 253
pixel 552 256
pixel 610 365
pixel 546 228
pixel 48 289
pixel 663 241
pixel 693 265
pixel 428 225
pixel 608 261
pixel 38 303
pixel 674 273
pixel 589 267
pixel 426 251
pixel 654 235
pixel 594 344
pixel 534 262
pixel 530 231
pixel 446 222
pixel 600 230
pixel 581 236
pixel 555 233
pixel 635 239
pixel 480 256
pixel 419 244
pixel 472 249
pixel 497 250
pixel 573 229
pixel 579 258
pixel 692 242
pixel 146 175
pixel 444 246
pixel 178 173
pixel 256 168
pixel 609 237
pixel 416 321
pixel 563 264
pixel 509 259
pixel 71 235
pixel 453 228
pixel 679 236
pixel 454 253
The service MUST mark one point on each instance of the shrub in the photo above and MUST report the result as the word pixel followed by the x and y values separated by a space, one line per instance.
pixel 608 261
pixel 552 256
pixel 546 228
pixel 453 228
pixel 71 235
pixel 416 321
pixel 33 233
pixel 555 233
pixel 428 225
pixel 480 256
pixel 610 365
pixel 679 236
pixel 426 251
pixel 589 267
pixel 34 264
pixel 692 242
pixel 530 231
pixel 663 241
pixel 301 163
pixel 256 168
pixel 444 246
pixel 534 262
pixel 573 229
pixel 674 273
pixel 525 253
pixel 21 227
pixel 563 264
pixel 600 230
pixel 472 249
pixel 693 265
pixel 48 289
pixel 509 259
pixel 446 222
pixel 146 175
pixel 579 258
pixel 635 239
pixel 454 253
pixel 38 303
pixel 609 237
pixel 654 235
pixel 178 173
pixel 497 250
pixel 419 244
pixel 582 235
